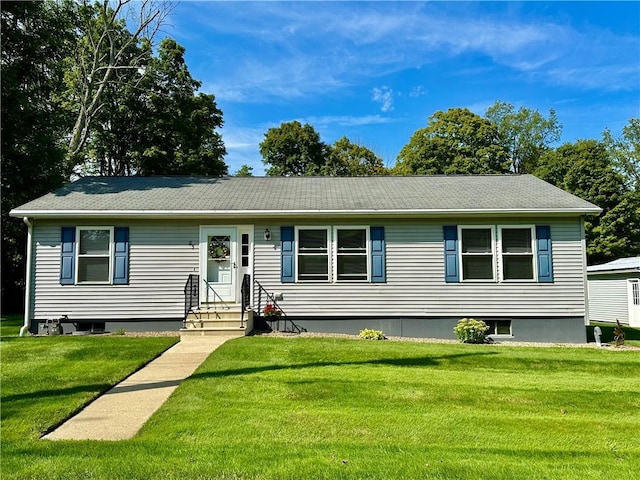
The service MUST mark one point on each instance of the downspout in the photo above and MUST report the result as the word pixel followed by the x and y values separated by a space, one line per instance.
pixel 585 279
pixel 27 287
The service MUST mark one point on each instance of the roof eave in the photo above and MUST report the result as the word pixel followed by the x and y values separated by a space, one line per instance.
pixel 289 213
pixel 611 271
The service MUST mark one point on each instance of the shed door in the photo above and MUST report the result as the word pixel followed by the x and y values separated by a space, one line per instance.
pixel 634 302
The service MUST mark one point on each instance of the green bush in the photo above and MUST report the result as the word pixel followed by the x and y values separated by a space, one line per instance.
pixel 470 330
pixel 369 334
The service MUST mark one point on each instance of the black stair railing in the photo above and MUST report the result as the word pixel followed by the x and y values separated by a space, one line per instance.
pixel 269 299
pixel 191 295
pixel 245 293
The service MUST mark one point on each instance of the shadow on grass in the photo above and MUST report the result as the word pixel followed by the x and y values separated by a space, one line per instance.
pixel 53 393
pixel 398 362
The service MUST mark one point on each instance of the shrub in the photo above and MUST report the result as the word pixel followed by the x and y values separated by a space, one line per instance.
pixel 470 330
pixel 119 331
pixel 369 334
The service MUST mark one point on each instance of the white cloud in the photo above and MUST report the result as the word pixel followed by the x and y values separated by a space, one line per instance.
pixel 418 91
pixel 263 50
pixel 383 96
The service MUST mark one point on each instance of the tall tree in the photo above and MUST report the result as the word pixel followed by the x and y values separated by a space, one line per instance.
pixel 160 126
pixel 244 171
pixel 625 151
pixel 293 149
pixel 525 133
pixel 103 52
pixel 36 37
pixel 454 142
pixel 585 169
pixel 348 159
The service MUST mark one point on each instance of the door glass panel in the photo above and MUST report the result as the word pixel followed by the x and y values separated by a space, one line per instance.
pixel 219 259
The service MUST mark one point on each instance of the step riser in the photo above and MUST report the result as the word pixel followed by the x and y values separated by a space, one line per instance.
pixel 193 323
pixel 213 333
pixel 215 315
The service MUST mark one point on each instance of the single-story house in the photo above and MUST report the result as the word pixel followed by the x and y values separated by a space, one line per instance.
pixel 614 291
pixel 407 255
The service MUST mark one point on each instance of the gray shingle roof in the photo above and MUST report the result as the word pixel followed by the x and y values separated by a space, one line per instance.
pixel 629 263
pixel 312 195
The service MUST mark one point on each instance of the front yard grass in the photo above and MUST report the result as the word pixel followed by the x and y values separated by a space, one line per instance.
pixel 298 408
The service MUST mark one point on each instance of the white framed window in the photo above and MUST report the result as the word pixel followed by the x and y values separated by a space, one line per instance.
pixel 516 244
pixel 499 328
pixel 477 253
pixel 94 253
pixel 312 254
pixel 352 254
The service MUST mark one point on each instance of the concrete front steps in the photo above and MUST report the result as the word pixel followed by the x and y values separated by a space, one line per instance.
pixel 218 319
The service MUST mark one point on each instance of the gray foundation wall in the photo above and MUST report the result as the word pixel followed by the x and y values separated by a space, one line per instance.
pixel 547 330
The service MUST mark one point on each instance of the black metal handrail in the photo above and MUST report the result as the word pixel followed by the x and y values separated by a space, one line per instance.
pixel 191 295
pixel 245 293
pixel 270 300
pixel 215 295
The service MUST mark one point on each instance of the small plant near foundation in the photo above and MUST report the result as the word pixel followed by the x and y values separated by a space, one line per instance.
pixel 370 334
pixel 470 330
pixel 119 331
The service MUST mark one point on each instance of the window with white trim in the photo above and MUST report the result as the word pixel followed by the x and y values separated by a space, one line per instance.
pixel 312 254
pixel 516 250
pixel 477 253
pixel 94 254
pixel 499 327
pixel 351 254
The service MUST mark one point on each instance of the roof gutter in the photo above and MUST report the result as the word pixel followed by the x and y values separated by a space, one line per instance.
pixel 289 213
pixel 27 288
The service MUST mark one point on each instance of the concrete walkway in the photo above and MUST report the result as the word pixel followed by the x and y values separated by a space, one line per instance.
pixel 120 413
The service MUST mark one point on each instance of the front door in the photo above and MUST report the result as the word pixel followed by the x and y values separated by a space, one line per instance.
pixel 634 303
pixel 218 264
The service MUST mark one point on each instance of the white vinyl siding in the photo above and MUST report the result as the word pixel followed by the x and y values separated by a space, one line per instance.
pixel 163 254
pixel 415 283
pixel 161 257
pixel 609 297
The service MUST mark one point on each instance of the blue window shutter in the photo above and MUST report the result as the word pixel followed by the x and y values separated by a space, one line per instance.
pixel 378 259
pixel 68 256
pixel 121 256
pixel 287 255
pixel 451 271
pixel 545 258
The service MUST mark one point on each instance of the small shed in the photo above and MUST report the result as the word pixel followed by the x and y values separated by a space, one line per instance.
pixel 614 291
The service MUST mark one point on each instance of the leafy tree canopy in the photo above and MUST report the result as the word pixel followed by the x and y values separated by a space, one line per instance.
pixel 36 37
pixel 625 152
pixel 348 159
pixel 525 133
pixel 293 149
pixel 585 169
pixel 244 171
pixel 454 142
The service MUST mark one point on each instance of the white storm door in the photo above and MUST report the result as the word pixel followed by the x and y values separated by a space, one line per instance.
pixel 634 303
pixel 218 264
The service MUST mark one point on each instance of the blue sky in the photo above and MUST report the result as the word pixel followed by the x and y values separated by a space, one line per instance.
pixel 375 71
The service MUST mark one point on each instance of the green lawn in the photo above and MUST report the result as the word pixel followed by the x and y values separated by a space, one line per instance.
pixel 297 408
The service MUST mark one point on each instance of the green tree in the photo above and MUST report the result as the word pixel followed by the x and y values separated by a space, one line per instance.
pixel 36 37
pixel 454 142
pixel 105 51
pixel 585 169
pixel 159 126
pixel 525 133
pixel 244 171
pixel 348 159
pixel 625 152
pixel 293 149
